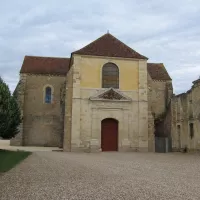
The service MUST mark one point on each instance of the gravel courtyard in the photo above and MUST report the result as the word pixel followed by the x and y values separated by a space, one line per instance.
pixel 58 175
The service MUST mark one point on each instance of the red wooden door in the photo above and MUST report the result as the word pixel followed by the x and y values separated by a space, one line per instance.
pixel 109 135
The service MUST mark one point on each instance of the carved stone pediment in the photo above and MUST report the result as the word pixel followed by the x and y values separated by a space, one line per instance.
pixel 110 95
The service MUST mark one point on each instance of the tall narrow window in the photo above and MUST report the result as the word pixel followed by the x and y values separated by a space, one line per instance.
pixel 48 95
pixel 179 136
pixel 191 130
pixel 110 76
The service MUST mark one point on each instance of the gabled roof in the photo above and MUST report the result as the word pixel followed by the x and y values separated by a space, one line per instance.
pixel 45 65
pixel 108 45
pixel 157 71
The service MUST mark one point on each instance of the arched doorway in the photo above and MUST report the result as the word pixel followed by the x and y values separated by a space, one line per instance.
pixel 109 135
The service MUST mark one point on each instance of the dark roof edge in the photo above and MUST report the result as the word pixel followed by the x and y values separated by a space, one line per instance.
pixel 45 57
pixel 111 56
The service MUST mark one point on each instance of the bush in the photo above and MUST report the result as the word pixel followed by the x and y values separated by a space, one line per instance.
pixel 9 112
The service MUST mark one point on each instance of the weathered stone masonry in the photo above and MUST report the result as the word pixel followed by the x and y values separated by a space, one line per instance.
pixel 186 113
pixel 47 120
pixel 73 119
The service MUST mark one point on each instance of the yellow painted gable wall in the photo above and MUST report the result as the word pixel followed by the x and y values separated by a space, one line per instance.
pixel 91 72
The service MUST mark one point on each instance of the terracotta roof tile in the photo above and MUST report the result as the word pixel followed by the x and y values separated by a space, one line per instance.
pixel 157 71
pixel 45 65
pixel 108 45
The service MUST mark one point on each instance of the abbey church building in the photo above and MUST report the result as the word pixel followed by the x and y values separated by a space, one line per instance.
pixel 105 97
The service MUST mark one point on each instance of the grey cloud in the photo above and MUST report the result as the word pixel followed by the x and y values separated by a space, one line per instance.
pixel 164 31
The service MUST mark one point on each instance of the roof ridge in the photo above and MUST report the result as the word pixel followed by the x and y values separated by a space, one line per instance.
pixel 29 56
pixel 155 63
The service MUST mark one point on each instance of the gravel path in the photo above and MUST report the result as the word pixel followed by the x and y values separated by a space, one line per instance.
pixel 58 175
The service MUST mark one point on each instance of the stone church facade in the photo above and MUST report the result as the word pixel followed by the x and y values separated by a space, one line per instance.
pixel 105 97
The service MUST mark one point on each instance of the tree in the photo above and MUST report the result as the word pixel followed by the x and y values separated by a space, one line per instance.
pixel 9 112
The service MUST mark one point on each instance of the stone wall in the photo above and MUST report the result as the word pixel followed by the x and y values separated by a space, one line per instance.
pixel 68 111
pixel 93 112
pixel 186 111
pixel 143 107
pixel 159 98
pixel 73 120
pixel 84 116
pixel 42 123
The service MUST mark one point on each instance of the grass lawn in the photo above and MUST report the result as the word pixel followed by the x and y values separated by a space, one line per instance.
pixel 8 159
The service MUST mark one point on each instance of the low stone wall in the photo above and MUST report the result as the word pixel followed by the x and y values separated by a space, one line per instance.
pixel 4 143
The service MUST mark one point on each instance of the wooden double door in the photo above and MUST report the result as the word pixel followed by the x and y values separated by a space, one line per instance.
pixel 109 135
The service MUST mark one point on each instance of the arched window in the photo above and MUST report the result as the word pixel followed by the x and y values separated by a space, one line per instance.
pixel 110 76
pixel 48 95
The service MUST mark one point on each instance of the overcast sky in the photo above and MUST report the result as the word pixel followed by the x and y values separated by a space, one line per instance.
pixel 164 31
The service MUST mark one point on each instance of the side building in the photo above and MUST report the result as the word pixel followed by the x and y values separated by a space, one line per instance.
pixel 40 93
pixel 186 119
